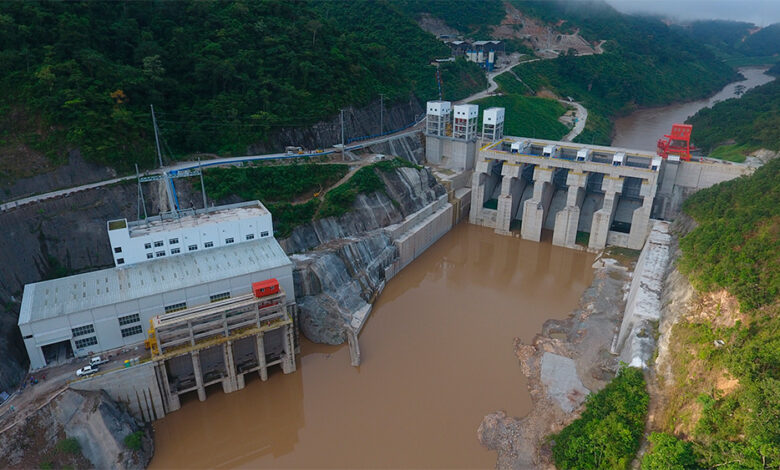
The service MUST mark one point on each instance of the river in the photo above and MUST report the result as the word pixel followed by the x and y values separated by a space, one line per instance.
pixel 641 129
pixel 437 356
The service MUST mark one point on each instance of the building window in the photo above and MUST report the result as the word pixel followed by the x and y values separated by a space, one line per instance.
pixel 148 246
pixel 175 307
pixel 208 244
pixel 133 330
pixel 159 254
pixel 264 234
pixel 218 297
pixel 120 261
pixel 158 243
pixel 83 330
pixel 118 249
pixel 192 247
pixel 229 240
pixel 173 241
pixel 127 319
pixel 175 251
pixel 84 342
pixel 251 236
pixel 149 255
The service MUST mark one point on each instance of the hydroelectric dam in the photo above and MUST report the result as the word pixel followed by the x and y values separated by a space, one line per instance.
pixel 588 195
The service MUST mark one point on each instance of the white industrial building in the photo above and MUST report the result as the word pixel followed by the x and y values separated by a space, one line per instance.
pixel 178 233
pixel 111 308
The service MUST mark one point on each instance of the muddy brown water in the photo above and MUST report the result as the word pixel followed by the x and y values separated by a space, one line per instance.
pixel 641 129
pixel 437 356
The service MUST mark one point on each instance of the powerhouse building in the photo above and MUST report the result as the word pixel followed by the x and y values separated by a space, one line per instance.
pixel 209 256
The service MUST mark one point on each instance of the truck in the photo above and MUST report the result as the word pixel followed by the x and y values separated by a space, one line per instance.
pixel 95 361
pixel 86 370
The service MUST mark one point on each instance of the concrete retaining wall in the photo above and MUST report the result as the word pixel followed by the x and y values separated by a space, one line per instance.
pixel 643 309
pixel 135 386
pixel 418 232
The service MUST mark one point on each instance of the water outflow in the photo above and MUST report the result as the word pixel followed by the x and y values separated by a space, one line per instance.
pixel 437 356
pixel 641 129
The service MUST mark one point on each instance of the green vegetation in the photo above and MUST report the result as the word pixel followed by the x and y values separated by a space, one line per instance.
pixel 278 186
pixel 366 180
pixel 608 432
pixel 736 244
pixel 645 63
pixel 473 17
pixel 69 445
pixel 279 183
pixel 133 441
pixel 726 362
pixel 733 153
pixel 737 43
pixel 222 75
pixel 529 116
pixel 669 453
pixel 749 123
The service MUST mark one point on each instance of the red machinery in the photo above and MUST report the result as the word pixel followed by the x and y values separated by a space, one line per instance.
pixel 265 288
pixel 677 145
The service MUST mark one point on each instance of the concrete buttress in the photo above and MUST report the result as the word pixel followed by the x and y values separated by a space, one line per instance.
pixel 567 219
pixel 535 208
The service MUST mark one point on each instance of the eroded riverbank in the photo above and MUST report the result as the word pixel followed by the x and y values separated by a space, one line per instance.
pixel 437 357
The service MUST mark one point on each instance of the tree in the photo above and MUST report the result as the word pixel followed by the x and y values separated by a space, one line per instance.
pixel 669 453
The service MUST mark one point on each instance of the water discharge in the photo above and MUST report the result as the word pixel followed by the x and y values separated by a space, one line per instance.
pixel 641 129
pixel 437 357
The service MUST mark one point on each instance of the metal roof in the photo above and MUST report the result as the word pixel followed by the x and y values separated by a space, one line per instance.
pixel 48 299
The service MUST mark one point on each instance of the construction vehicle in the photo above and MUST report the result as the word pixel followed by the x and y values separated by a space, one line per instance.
pixel 677 145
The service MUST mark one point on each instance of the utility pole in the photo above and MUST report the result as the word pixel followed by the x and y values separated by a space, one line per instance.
pixel 156 137
pixel 202 186
pixel 381 113
pixel 342 135
pixel 141 202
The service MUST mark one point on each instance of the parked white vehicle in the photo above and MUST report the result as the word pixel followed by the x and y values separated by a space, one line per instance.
pixel 97 360
pixel 86 370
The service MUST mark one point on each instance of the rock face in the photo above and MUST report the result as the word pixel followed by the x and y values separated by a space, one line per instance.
pixel 358 122
pixel 346 268
pixel 99 425
pixel 76 172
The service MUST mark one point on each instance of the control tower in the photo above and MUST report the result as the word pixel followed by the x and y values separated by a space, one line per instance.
pixel 493 124
pixel 451 135
pixel 438 119
pixel 465 122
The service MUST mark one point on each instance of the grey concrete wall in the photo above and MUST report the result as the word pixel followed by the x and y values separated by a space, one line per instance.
pixel 135 386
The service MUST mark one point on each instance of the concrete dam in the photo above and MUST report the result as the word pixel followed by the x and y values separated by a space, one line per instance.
pixel 589 196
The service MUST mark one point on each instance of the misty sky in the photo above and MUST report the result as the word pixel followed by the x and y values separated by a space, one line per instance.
pixel 760 12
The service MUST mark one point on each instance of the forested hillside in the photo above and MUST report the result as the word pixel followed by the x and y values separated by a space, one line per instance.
pixel 736 42
pixel 221 75
pixel 724 397
pixel 645 63
pixel 733 128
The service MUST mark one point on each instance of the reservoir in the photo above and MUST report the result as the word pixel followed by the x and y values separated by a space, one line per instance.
pixel 641 129
pixel 437 355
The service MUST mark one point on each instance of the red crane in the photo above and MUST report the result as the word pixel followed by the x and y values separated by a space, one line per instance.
pixel 677 145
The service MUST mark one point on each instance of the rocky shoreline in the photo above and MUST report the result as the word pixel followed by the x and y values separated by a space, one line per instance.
pixel 565 362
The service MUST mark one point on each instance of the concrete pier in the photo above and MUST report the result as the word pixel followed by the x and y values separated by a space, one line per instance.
pixel 567 219
pixel 512 187
pixel 534 209
pixel 602 218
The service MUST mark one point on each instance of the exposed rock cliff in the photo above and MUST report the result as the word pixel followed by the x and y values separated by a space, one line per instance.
pixel 358 122
pixel 346 271
pixel 92 419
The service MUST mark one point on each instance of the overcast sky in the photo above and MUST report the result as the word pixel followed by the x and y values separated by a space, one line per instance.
pixel 760 12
